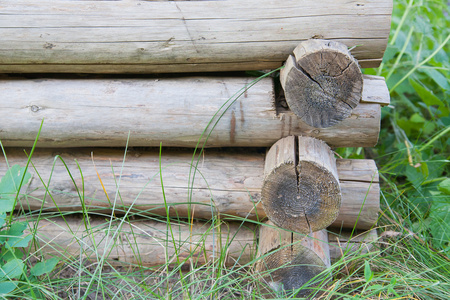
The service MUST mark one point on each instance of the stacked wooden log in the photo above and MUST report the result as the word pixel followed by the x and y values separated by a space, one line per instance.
pixel 297 188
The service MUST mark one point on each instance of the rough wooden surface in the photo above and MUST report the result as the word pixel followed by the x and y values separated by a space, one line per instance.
pixel 200 243
pixel 147 243
pixel 181 36
pixel 322 82
pixel 101 112
pixel 288 260
pixel 301 189
pixel 344 243
pixel 228 181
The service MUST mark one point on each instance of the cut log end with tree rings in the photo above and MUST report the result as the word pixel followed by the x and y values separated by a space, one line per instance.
pixel 322 83
pixel 289 261
pixel 301 190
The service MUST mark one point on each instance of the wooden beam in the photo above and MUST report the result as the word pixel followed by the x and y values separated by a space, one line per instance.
pixel 148 240
pixel 147 243
pixel 227 182
pixel 181 36
pixel 174 111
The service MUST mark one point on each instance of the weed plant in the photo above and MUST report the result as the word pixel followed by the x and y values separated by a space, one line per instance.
pixel 410 260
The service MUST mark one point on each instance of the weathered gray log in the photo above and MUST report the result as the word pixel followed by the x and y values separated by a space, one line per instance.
pixel 289 261
pixel 322 82
pixel 228 182
pixel 93 112
pixel 301 190
pixel 347 244
pixel 181 36
pixel 199 243
pixel 146 242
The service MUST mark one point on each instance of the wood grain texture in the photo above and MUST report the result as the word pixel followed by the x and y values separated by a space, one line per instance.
pixel 344 243
pixel 147 243
pixel 301 190
pixel 228 182
pixel 55 236
pixel 288 260
pixel 322 82
pixel 181 36
pixel 101 112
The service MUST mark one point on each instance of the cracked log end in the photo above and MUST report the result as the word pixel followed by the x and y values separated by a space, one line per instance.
pixel 301 190
pixel 322 83
pixel 289 261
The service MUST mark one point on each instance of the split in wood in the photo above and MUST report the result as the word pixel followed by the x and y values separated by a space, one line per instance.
pixel 289 261
pixel 227 182
pixel 322 82
pixel 301 190
pixel 174 111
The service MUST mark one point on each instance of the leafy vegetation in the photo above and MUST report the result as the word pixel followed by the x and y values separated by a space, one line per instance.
pixel 409 261
pixel 16 276
pixel 414 148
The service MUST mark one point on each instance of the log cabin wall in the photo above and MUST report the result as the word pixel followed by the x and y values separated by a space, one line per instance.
pixel 317 104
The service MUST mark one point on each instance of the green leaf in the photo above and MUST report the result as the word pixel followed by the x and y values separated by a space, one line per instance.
pixel 10 254
pixel 375 287
pixel 444 186
pixel 12 269
pixel 368 274
pixel 14 235
pixel 7 287
pixel 9 186
pixel 44 267
pixel 18 241
pixel 427 96
pixel 440 79
pixel 440 221
pixel 17 229
pixel 414 175
pixel 416 118
pixel 2 219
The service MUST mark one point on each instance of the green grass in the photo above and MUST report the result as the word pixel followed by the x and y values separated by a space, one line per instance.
pixel 409 261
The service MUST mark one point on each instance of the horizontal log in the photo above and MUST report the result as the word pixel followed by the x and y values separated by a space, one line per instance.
pixel 228 182
pixel 181 36
pixel 198 243
pixel 347 244
pixel 94 112
pixel 147 243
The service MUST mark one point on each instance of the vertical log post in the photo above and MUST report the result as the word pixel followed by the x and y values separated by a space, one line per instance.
pixel 289 260
pixel 301 190
pixel 322 83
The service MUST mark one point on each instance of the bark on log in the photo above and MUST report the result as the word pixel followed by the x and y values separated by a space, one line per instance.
pixel 301 190
pixel 199 241
pixel 101 113
pixel 189 36
pixel 228 182
pixel 289 261
pixel 322 83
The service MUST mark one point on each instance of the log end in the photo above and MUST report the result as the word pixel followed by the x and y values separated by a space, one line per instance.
pixel 303 198
pixel 322 83
pixel 288 269
pixel 290 261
